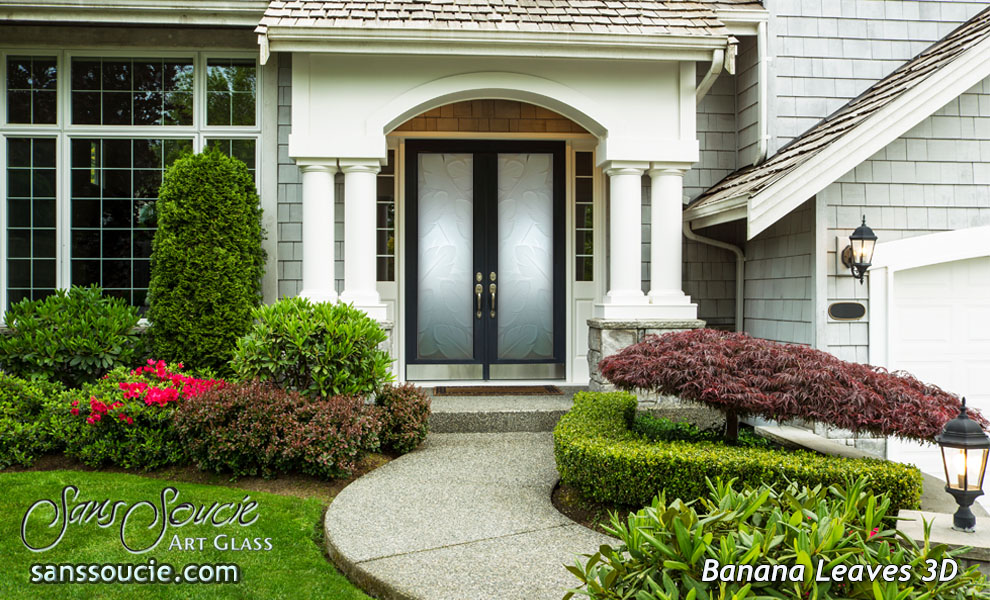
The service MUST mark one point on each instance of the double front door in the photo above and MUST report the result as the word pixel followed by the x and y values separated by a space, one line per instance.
pixel 485 275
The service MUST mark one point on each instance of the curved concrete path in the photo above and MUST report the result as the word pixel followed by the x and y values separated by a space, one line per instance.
pixel 465 517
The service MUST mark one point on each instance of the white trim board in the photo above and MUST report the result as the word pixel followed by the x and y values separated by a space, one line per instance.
pixel 910 253
pixel 843 154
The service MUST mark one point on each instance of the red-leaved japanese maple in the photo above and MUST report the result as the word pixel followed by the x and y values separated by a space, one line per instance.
pixel 742 375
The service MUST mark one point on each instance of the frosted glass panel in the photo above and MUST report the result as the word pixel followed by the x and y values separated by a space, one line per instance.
pixel 446 244
pixel 525 256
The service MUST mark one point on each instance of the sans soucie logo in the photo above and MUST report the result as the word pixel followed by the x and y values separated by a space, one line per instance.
pixel 165 514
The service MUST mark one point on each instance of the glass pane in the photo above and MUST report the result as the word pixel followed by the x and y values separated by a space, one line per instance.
pixel 132 92
pixel 583 164
pixel 525 256
pixel 31 84
pixel 445 309
pixel 231 92
pixel 30 218
pixel 18 106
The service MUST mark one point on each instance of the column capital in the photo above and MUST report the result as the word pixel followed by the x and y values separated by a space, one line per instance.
pixel 360 165
pixel 668 168
pixel 318 168
pixel 624 167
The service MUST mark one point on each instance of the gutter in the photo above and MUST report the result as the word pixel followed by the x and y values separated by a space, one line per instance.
pixel 740 267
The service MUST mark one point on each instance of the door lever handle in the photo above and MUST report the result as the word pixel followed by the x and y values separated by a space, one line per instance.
pixel 477 296
pixel 492 289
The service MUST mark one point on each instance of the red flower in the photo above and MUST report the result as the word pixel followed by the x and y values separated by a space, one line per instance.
pixel 75 403
pixel 75 412
pixel 873 533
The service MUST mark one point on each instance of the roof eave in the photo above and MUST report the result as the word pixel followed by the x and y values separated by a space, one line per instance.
pixel 488 42
pixel 726 210
pixel 224 13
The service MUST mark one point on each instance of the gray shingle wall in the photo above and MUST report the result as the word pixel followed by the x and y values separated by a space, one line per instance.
pixel 747 102
pixel 779 285
pixel 716 125
pixel 934 178
pixel 829 51
pixel 290 199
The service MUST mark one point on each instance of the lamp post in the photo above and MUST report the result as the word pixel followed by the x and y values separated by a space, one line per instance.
pixel 858 255
pixel 964 456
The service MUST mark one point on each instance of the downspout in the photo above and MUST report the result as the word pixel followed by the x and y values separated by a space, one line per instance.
pixel 740 267
pixel 762 85
pixel 721 58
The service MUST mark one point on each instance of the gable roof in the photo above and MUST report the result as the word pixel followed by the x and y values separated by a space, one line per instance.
pixel 670 17
pixel 890 107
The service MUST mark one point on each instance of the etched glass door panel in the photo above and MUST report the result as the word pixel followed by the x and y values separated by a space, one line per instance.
pixel 525 257
pixel 445 327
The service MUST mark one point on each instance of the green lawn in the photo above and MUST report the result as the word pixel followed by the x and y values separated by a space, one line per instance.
pixel 294 568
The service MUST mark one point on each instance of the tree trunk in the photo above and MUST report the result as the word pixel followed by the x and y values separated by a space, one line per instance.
pixel 731 427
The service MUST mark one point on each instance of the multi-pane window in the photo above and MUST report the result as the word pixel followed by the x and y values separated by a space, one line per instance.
pixel 114 186
pixel 584 217
pixel 241 149
pixel 230 92
pixel 132 92
pixel 119 130
pixel 31 236
pixel 31 90
pixel 386 221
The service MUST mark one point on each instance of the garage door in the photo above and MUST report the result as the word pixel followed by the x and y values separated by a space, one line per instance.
pixel 940 332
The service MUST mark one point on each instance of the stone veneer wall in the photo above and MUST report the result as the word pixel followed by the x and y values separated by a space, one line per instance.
pixel 607 336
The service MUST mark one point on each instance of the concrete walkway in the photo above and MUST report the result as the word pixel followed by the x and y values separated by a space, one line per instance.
pixel 467 516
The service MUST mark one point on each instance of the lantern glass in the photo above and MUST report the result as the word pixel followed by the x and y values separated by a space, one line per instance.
pixel 965 468
pixel 862 250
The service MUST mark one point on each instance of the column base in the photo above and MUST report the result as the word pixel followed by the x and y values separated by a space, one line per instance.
pixel 673 311
pixel 318 296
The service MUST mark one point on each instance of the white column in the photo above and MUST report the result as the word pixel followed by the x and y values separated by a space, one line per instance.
pixel 317 233
pixel 666 237
pixel 360 190
pixel 625 235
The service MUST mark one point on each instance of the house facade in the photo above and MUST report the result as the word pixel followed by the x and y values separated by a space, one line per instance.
pixel 518 188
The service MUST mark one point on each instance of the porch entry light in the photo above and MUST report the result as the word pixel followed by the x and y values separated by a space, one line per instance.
pixel 858 255
pixel 964 456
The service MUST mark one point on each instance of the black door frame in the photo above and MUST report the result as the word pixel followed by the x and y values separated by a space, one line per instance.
pixel 485 154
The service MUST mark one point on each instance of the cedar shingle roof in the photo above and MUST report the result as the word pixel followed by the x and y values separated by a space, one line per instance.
pixel 670 17
pixel 752 180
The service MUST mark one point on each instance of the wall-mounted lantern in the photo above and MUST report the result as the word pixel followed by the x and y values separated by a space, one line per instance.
pixel 964 456
pixel 858 255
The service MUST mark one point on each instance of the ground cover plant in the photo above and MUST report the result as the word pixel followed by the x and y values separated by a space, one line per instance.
pixel 599 454
pixel 664 549
pixel 294 568
pixel 73 336
pixel 256 428
pixel 207 261
pixel 746 376
pixel 126 418
pixel 318 349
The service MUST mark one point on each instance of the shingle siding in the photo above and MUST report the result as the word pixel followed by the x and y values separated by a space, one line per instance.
pixel 779 284
pixel 828 52
pixel 936 177
pixel 716 128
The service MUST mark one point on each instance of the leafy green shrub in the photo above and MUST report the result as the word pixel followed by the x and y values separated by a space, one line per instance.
pixel 207 261
pixel 73 336
pixel 126 418
pixel 256 428
pixel 405 416
pixel 598 454
pixel 319 350
pixel 666 549
pixel 658 429
pixel 26 427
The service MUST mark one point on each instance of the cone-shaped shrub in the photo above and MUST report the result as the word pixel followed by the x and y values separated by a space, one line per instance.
pixel 207 261
pixel 742 375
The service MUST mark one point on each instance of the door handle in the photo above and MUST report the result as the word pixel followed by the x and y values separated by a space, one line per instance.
pixel 492 289
pixel 477 296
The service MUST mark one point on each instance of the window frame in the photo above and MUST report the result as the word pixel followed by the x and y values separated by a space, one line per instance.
pixel 64 131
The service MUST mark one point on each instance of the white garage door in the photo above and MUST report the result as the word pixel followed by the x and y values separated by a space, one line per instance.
pixel 940 332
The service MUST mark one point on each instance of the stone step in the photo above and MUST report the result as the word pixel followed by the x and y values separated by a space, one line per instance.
pixel 499 414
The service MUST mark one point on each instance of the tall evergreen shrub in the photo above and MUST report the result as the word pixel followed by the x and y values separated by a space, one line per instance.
pixel 207 261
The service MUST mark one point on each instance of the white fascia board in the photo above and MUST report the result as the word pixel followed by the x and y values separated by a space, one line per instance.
pixel 723 211
pixel 492 43
pixel 743 21
pixel 238 13
pixel 849 150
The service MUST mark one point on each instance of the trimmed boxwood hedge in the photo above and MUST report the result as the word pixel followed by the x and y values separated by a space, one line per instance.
pixel 604 460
